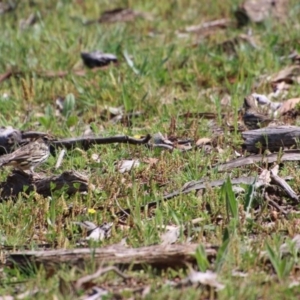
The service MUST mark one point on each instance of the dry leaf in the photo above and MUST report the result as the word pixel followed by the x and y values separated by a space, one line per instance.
pixel 205 278
pixel 288 106
pixel 151 161
pixel 96 157
pixel 225 100
pixel 289 75
pixel 126 165
pixel 203 141
pixel 265 177
pixel 170 236
pixel 94 232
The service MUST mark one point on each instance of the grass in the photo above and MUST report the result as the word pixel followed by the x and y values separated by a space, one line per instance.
pixel 172 78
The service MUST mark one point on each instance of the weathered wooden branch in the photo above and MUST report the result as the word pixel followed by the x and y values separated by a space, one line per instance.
pixel 158 256
pixel 72 181
pixel 271 138
pixel 287 155
pixel 285 186
pixel 192 186
pixel 202 184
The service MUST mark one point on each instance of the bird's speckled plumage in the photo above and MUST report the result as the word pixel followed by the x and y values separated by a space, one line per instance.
pixel 29 156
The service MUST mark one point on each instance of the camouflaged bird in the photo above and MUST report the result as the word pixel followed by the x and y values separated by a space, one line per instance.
pixel 28 156
pixel 252 118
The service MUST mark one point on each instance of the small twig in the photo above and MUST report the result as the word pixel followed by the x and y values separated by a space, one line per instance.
pixel 285 186
pixel 288 155
pixel 204 115
pixel 197 221
pixel 6 75
pixel 221 23
pixel 121 209
pixel 192 186
pixel 274 204
pixel 98 273
pixel 60 158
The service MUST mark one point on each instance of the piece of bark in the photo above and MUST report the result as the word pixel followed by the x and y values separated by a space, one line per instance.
pixel 287 155
pixel 174 256
pixel 72 181
pixel 272 138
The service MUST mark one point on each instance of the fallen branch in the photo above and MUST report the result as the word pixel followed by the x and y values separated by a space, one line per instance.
pixel 271 138
pixel 174 256
pixel 101 271
pixel 274 204
pixel 87 142
pixel 285 186
pixel 193 186
pixel 9 137
pixel 288 155
pixel 72 181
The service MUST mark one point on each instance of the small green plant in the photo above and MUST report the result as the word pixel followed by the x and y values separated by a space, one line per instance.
pixel 68 105
pixel 223 250
pixel 231 202
pixel 249 198
pixel 201 257
pixel 282 265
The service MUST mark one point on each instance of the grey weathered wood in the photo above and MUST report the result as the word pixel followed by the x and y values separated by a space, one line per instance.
pixel 288 155
pixel 158 256
pixel 271 138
